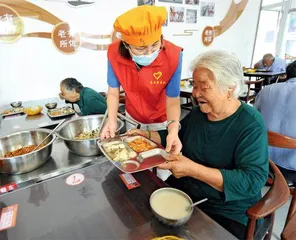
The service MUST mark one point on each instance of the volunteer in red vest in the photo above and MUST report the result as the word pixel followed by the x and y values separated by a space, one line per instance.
pixel 148 68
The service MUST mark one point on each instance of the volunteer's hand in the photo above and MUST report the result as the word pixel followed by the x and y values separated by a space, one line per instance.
pixel 179 165
pixel 109 129
pixel 173 143
pixel 136 131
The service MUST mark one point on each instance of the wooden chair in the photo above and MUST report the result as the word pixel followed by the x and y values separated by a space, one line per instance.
pixel 276 196
pixel 281 78
pixel 289 231
pixel 282 141
pixel 252 92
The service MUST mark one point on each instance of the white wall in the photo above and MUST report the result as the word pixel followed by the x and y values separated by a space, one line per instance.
pixel 32 68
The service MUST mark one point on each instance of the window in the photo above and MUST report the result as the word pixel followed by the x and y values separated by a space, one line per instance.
pixel 267 34
pixel 290 37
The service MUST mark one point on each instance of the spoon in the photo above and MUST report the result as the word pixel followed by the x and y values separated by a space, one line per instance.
pixel 196 203
pixel 53 131
pixel 103 122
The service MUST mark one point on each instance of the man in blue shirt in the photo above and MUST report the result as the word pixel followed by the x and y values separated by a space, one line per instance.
pixel 276 102
pixel 271 63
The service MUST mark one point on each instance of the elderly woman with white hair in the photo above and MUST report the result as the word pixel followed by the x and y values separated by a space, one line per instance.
pixel 225 150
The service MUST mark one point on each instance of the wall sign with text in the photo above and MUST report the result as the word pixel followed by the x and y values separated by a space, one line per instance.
pixel 64 37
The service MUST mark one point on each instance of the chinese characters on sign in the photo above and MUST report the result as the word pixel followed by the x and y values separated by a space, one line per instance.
pixel 11 25
pixel 65 39
pixel 158 82
pixel 8 188
pixel 208 36
pixel 8 217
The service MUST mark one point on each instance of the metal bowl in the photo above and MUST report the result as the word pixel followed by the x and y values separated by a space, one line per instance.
pixel 72 128
pixel 167 221
pixel 27 162
pixel 51 105
pixel 16 104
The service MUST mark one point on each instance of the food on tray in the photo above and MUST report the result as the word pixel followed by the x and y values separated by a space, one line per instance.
pixel 33 110
pixel 61 112
pixel 12 111
pixel 250 70
pixel 22 150
pixel 140 145
pixel 88 134
pixel 119 152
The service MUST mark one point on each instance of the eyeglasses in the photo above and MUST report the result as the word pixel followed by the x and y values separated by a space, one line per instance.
pixel 147 49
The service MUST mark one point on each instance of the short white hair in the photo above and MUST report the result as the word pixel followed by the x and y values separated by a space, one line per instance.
pixel 226 68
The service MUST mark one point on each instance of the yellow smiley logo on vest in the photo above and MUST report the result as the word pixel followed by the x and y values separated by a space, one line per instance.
pixel 157 75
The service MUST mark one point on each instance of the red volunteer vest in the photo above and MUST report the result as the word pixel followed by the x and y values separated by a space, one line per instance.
pixel 145 89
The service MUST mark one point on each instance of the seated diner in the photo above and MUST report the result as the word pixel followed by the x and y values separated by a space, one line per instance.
pixel 88 100
pixel 225 151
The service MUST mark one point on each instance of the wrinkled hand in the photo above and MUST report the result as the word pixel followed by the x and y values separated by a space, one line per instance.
pixel 179 165
pixel 173 143
pixel 109 130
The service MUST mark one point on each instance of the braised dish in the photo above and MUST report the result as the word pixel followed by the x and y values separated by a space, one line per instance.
pixel 22 150
pixel 140 145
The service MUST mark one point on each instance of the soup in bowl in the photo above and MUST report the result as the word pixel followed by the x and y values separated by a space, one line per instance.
pixel 171 206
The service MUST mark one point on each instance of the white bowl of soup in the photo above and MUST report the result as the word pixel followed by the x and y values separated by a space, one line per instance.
pixel 169 205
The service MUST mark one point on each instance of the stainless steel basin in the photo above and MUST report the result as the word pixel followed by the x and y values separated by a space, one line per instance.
pixel 27 162
pixel 74 127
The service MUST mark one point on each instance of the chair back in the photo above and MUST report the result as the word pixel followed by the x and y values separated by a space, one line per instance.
pixel 252 92
pixel 289 231
pixel 281 141
pixel 277 195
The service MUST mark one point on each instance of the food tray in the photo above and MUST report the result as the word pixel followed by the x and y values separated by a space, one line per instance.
pixel 12 111
pixel 133 161
pixel 65 111
pixel 262 70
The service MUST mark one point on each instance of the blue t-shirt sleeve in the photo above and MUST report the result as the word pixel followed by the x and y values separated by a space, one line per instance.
pixel 173 87
pixel 257 101
pixel 281 66
pixel 111 78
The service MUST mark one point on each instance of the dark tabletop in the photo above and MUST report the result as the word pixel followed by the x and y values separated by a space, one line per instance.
pixel 263 74
pixel 22 122
pixel 101 207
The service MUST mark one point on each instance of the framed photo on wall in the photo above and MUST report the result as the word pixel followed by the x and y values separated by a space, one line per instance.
pixel 171 1
pixel 192 2
pixel 207 9
pixel 191 16
pixel 146 2
pixel 177 14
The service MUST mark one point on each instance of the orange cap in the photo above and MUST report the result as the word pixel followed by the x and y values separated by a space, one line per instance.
pixel 142 25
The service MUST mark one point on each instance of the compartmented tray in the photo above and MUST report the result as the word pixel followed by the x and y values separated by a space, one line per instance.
pixel 60 112
pixel 132 153
pixel 12 111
